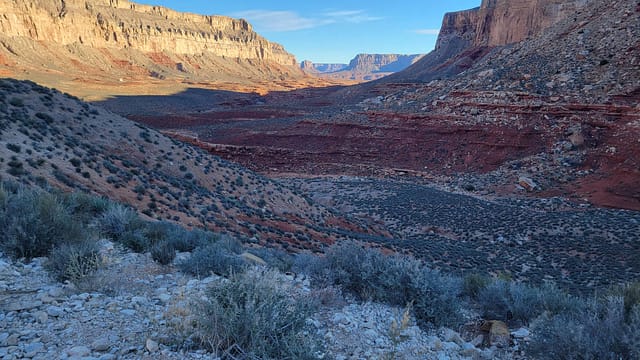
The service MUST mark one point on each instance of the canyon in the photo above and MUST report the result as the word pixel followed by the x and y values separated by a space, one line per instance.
pixel 511 107
pixel 363 67
pixel 500 173
pixel 555 101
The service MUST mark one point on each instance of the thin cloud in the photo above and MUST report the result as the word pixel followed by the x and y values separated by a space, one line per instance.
pixel 351 16
pixel 282 21
pixel 427 31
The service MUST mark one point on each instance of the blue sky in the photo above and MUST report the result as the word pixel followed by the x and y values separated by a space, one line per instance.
pixel 332 31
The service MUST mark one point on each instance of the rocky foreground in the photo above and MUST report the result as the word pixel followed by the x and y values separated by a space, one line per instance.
pixel 134 308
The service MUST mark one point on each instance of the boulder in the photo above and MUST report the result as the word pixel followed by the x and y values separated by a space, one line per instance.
pixel 527 183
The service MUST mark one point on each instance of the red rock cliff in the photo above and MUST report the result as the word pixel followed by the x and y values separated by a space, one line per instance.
pixel 466 36
pixel 502 22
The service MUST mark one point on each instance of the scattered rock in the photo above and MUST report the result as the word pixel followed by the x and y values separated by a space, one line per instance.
pixel 101 344
pixel 520 333
pixel 78 351
pixel 55 311
pixel 527 183
pixel 151 346
pixel 498 333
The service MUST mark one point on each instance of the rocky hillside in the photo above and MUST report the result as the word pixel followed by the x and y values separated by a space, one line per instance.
pixel 48 137
pixel 118 43
pixel 363 67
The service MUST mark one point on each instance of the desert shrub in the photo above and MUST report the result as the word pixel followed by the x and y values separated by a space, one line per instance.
pixel 254 316
pixel 46 117
pixel 135 239
pixel 14 147
pixel 218 258
pixel 34 222
pixel 86 207
pixel 74 261
pixel 17 102
pixel 123 225
pixel 190 240
pixel 371 275
pixel 162 230
pixel 632 333
pixel 163 252
pixel 472 284
pixel 502 299
pixel 16 168
pixel 436 298
pixel 630 294
pixel 313 266
pixel 367 273
pixel 276 258
pixel 597 332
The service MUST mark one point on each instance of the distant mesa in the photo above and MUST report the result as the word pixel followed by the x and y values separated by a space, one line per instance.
pixel 363 67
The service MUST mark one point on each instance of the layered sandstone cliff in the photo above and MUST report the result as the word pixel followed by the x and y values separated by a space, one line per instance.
pixel 468 35
pixel 122 24
pixel 98 48
pixel 502 22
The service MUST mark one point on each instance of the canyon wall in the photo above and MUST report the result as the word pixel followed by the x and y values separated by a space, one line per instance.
pixel 122 24
pixel 502 22
pixel 468 35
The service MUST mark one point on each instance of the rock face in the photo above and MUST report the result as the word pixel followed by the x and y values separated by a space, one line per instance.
pixel 502 22
pixel 363 67
pixel 468 35
pixel 122 24
pixel 119 47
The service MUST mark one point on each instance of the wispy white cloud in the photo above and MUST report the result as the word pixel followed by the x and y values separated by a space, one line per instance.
pixel 281 21
pixel 427 31
pixel 351 16
pixel 268 20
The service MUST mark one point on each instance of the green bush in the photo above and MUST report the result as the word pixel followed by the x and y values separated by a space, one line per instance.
pixel 123 225
pixel 14 147
pixel 503 299
pixel 275 258
pixel 597 332
pixel 74 262
pixel 436 298
pixel 214 258
pixel 252 316
pixel 190 240
pixel 371 275
pixel 17 102
pixel 86 207
pixel 472 284
pixel 117 219
pixel 34 222
pixel 630 293
pixel 163 252
pixel 632 333
pixel 136 240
